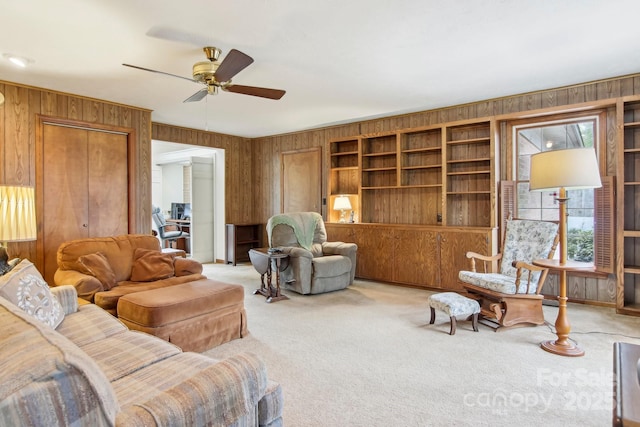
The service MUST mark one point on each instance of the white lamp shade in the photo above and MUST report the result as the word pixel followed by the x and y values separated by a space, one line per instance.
pixel 341 202
pixel 572 169
pixel 17 214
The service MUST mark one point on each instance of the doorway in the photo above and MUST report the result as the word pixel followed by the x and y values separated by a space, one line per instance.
pixel 193 176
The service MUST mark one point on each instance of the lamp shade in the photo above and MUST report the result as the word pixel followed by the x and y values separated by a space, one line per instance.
pixel 17 214
pixel 341 202
pixel 572 169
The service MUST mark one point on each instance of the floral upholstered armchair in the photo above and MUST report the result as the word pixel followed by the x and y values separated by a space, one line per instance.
pixel 512 295
pixel 315 265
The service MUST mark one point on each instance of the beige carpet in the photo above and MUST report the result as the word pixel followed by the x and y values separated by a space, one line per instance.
pixel 367 356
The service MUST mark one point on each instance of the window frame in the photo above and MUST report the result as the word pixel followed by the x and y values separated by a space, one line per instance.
pixel 600 139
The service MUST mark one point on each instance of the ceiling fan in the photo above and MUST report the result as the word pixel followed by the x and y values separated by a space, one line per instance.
pixel 215 74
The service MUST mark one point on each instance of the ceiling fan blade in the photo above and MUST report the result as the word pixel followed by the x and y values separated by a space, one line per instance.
pixel 159 72
pixel 232 64
pixel 197 96
pixel 262 92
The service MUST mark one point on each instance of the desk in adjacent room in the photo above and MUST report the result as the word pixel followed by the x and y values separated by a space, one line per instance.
pixel 185 225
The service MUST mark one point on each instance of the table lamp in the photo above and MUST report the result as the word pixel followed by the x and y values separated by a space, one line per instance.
pixel 561 170
pixel 17 219
pixel 342 204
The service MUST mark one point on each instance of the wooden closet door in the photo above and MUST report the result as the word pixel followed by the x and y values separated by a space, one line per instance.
pixel 84 188
pixel 65 191
pixel 108 197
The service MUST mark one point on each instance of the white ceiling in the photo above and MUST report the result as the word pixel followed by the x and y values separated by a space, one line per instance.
pixel 338 60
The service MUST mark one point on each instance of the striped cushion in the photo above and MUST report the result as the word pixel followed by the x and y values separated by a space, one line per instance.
pixel 94 324
pixel 122 354
pixel 192 389
pixel 67 296
pixel 42 371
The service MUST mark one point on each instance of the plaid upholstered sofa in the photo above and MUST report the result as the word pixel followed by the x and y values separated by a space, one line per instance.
pixel 67 364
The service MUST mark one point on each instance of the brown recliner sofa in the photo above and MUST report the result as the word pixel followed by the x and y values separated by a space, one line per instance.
pixel 154 292
pixel 119 252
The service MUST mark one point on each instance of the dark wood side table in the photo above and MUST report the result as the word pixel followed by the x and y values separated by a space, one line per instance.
pixel 265 263
pixel 563 346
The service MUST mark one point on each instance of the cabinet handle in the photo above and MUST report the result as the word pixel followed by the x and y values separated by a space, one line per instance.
pixel 85 225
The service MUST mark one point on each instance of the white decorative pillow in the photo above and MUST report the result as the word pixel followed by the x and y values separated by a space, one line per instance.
pixel 25 287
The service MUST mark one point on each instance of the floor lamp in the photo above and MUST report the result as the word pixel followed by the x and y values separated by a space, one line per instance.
pixel 17 219
pixel 562 170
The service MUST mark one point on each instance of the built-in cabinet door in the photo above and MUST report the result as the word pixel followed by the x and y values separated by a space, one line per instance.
pixel 453 248
pixel 85 193
pixel 424 257
pixel 416 257
pixel 375 252
pixel 340 233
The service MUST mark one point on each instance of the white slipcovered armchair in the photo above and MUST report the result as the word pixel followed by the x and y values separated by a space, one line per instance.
pixel 315 265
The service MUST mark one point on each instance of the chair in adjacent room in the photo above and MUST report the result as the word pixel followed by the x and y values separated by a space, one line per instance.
pixel 512 295
pixel 315 265
pixel 169 232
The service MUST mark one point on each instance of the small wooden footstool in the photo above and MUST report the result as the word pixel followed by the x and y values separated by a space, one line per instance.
pixel 454 305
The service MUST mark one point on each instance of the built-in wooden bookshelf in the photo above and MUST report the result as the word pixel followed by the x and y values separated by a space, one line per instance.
pixel 469 174
pixel 628 298
pixel 379 162
pixel 421 158
pixel 344 174
pixel 434 175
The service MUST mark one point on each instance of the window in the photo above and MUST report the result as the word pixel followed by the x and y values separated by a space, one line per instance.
pixel 537 137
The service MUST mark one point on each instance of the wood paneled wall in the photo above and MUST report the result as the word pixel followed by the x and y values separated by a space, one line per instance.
pixel 266 151
pixel 253 165
pixel 18 122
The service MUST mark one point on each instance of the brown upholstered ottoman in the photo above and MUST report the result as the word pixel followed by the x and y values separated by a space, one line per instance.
pixel 194 316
